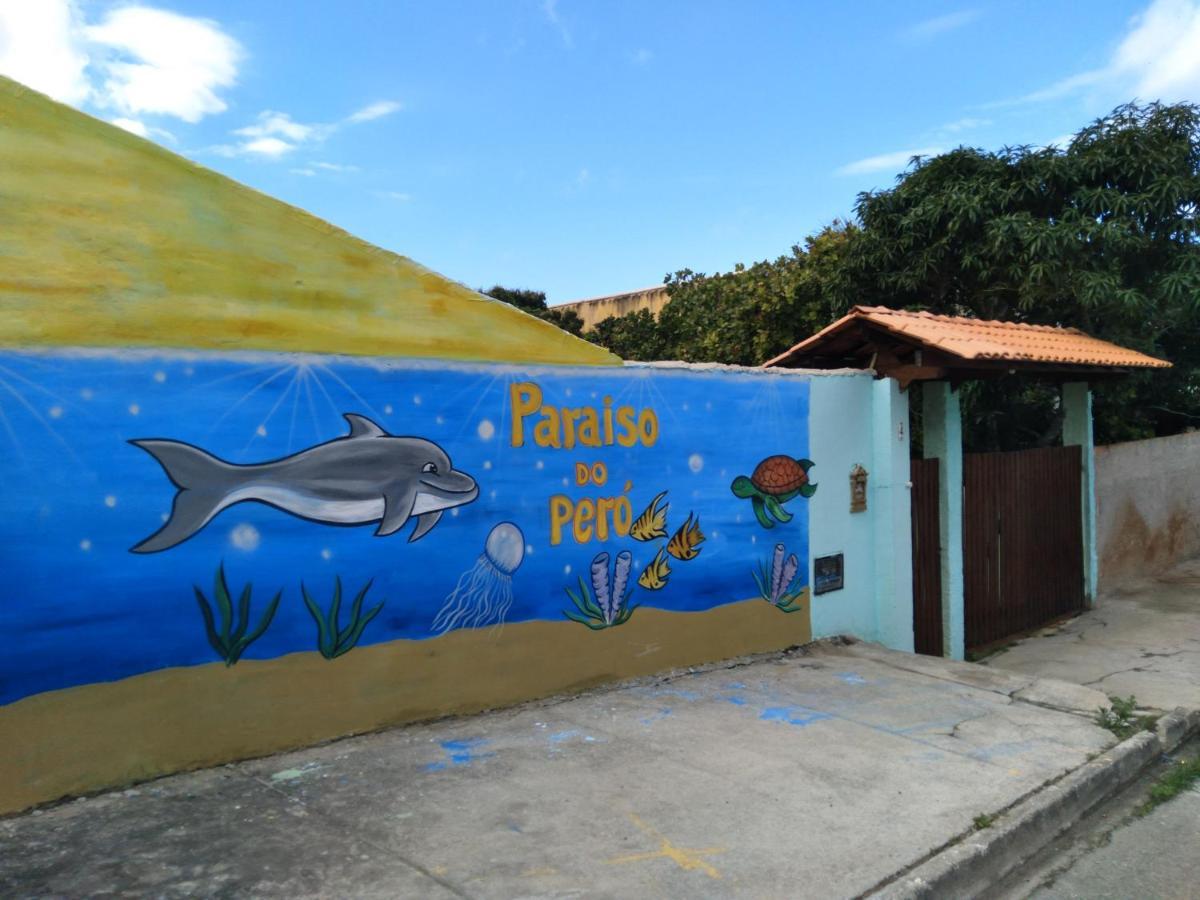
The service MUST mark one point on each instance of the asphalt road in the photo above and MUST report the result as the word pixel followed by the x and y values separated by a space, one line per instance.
pixel 1154 858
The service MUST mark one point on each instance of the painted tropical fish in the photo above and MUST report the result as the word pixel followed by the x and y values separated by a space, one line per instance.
pixel 652 523
pixel 685 543
pixel 775 481
pixel 365 476
pixel 654 576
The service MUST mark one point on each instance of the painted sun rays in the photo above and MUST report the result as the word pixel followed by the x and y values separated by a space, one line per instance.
pixel 309 384
pixel 23 398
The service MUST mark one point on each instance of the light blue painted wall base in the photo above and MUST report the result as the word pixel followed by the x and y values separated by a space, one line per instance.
pixel 889 498
pixel 1077 431
pixel 943 441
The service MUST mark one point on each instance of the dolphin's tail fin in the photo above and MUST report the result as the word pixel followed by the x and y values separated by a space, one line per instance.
pixel 203 483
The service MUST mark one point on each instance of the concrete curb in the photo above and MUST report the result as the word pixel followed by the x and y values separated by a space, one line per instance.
pixel 967 868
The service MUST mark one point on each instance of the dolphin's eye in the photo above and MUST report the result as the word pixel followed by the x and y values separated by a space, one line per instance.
pixel 429 469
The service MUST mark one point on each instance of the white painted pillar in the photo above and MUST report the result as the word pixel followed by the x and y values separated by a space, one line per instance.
pixel 890 500
pixel 942 423
pixel 1077 431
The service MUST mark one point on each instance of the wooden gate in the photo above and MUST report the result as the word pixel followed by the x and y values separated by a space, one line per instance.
pixel 927 561
pixel 1022 540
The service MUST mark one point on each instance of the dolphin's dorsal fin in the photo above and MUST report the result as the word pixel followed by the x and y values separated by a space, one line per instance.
pixel 361 426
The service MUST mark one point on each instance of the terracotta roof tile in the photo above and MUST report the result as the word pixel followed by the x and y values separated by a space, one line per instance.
pixel 980 339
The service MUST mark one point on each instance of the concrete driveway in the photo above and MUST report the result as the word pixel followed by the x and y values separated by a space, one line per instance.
pixel 820 773
pixel 1143 640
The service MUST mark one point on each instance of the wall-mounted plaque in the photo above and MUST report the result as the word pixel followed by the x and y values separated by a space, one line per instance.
pixel 858 489
pixel 828 574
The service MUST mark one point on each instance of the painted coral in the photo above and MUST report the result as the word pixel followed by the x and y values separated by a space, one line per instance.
pixel 778 584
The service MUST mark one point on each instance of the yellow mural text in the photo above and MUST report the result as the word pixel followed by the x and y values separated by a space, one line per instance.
pixel 565 427
pixel 588 518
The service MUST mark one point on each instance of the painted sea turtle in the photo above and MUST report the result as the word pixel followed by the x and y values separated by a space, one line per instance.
pixel 775 481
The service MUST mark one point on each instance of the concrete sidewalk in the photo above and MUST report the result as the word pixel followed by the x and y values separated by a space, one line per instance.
pixel 1143 640
pixel 820 773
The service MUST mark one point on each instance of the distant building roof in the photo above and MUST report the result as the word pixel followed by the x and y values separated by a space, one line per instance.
pixel 920 344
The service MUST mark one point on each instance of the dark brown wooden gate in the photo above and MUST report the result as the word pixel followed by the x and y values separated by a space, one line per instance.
pixel 1022 540
pixel 927 561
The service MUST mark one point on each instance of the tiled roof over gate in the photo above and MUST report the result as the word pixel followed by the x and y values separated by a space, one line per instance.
pixel 980 339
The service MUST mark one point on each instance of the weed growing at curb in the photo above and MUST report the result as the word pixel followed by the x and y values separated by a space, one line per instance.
pixel 982 821
pixel 1121 720
pixel 1175 782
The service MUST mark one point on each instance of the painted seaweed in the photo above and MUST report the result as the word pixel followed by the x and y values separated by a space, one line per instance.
pixel 333 641
pixel 231 641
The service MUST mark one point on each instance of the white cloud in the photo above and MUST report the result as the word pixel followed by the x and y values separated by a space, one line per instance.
pixel 550 11
pixel 965 124
pixel 133 125
pixel 307 173
pixel 141 129
pixel 276 124
pixel 1062 141
pixel 41 45
pixel 374 111
pixel 1161 55
pixel 886 161
pixel 266 146
pixel 1158 59
pixel 163 63
pixel 641 56
pixel 276 134
pixel 136 61
pixel 398 196
pixel 931 28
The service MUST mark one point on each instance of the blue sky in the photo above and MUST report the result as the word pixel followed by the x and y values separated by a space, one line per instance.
pixel 584 148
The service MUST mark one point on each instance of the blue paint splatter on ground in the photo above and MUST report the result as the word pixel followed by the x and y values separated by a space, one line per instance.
pixel 851 678
pixel 655 717
pixel 792 715
pixel 736 700
pixel 561 736
pixel 459 753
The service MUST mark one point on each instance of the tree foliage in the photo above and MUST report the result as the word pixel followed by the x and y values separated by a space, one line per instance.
pixel 741 317
pixel 1099 235
pixel 534 303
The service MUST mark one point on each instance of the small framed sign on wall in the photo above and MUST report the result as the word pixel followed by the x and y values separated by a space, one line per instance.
pixel 828 574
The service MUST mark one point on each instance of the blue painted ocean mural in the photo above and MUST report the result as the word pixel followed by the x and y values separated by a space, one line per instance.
pixel 166 510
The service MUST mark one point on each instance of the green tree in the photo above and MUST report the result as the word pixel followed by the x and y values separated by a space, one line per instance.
pixel 741 317
pixel 534 302
pixel 1101 235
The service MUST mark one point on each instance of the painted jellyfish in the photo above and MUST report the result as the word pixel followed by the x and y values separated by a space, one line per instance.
pixel 484 592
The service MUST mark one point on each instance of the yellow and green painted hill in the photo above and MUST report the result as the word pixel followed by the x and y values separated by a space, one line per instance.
pixel 109 240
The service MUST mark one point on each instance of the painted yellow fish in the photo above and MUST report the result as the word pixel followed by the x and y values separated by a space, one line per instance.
pixel 652 523
pixel 655 575
pixel 685 543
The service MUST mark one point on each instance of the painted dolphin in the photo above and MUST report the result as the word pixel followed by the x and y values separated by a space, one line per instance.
pixel 365 476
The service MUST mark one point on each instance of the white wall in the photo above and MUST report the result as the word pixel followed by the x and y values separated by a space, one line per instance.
pixel 840 435
pixel 1148 506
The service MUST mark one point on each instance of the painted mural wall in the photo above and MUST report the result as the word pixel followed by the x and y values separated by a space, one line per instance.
pixel 210 556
